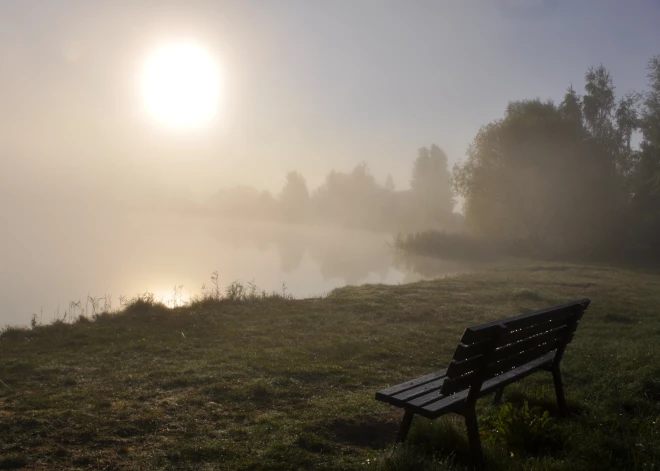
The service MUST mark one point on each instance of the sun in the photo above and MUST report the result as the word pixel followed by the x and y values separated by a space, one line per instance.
pixel 181 85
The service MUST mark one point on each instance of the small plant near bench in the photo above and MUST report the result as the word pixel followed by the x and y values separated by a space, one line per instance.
pixel 526 429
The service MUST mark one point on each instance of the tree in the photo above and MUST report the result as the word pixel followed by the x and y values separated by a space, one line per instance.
pixel 627 122
pixel 598 103
pixel 571 107
pixel 646 179
pixel 294 197
pixel 611 125
pixel 431 182
pixel 532 175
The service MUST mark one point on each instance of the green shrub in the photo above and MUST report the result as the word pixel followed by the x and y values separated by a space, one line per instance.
pixel 524 430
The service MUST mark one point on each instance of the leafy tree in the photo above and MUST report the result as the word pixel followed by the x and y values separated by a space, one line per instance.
pixel 598 103
pixel 627 122
pixel 611 125
pixel 532 175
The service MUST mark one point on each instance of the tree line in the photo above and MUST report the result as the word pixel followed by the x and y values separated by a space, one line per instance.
pixel 354 199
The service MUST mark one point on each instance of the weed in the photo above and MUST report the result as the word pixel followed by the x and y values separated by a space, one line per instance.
pixel 524 430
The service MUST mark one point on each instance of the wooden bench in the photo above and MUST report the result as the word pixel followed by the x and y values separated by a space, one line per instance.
pixel 489 357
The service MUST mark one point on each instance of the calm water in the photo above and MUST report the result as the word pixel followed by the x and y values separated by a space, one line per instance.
pixel 48 262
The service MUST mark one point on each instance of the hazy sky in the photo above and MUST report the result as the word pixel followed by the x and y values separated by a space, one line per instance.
pixel 311 85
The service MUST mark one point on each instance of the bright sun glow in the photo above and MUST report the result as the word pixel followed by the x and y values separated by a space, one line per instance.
pixel 181 85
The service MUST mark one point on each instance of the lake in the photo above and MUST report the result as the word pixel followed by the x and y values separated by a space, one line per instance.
pixel 50 261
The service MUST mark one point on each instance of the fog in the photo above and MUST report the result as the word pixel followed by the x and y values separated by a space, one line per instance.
pixel 173 257
pixel 336 126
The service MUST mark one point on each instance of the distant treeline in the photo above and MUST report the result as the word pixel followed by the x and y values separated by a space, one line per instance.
pixel 354 200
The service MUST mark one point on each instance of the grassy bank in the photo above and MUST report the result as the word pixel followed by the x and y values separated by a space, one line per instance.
pixel 288 384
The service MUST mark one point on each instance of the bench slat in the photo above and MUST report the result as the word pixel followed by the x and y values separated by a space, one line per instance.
pixel 514 375
pixel 426 399
pixel 454 385
pixel 514 336
pixel 410 384
pixel 463 351
pixel 563 314
pixel 517 348
pixel 445 404
pixel 457 369
pixel 432 408
pixel 522 358
pixel 557 313
pixel 419 390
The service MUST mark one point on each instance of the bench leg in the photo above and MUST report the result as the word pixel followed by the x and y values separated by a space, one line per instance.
pixel 405 426
pixel 473 435
pixel 497 400
pixel 559 390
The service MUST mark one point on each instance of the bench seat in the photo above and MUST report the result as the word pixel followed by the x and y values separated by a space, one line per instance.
pixel 423 395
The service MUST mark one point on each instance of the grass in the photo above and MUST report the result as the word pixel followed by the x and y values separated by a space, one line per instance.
pixel 265 382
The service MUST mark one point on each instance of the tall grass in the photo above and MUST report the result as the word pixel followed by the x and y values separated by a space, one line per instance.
pixel 95 308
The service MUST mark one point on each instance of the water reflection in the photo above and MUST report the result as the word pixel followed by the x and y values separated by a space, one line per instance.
pixel 49 262
pixel 352 256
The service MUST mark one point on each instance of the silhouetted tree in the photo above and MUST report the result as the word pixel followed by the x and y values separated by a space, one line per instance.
pixel 627 122
pixel 598 103
pixel 531 175
pixel 294 198
pixel 571 107
pixel 646 180
pixel 431 182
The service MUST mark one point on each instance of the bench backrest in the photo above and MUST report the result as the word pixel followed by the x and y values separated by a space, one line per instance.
pixel 494 348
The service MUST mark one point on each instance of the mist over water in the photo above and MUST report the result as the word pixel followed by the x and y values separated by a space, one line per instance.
pixel 55 259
